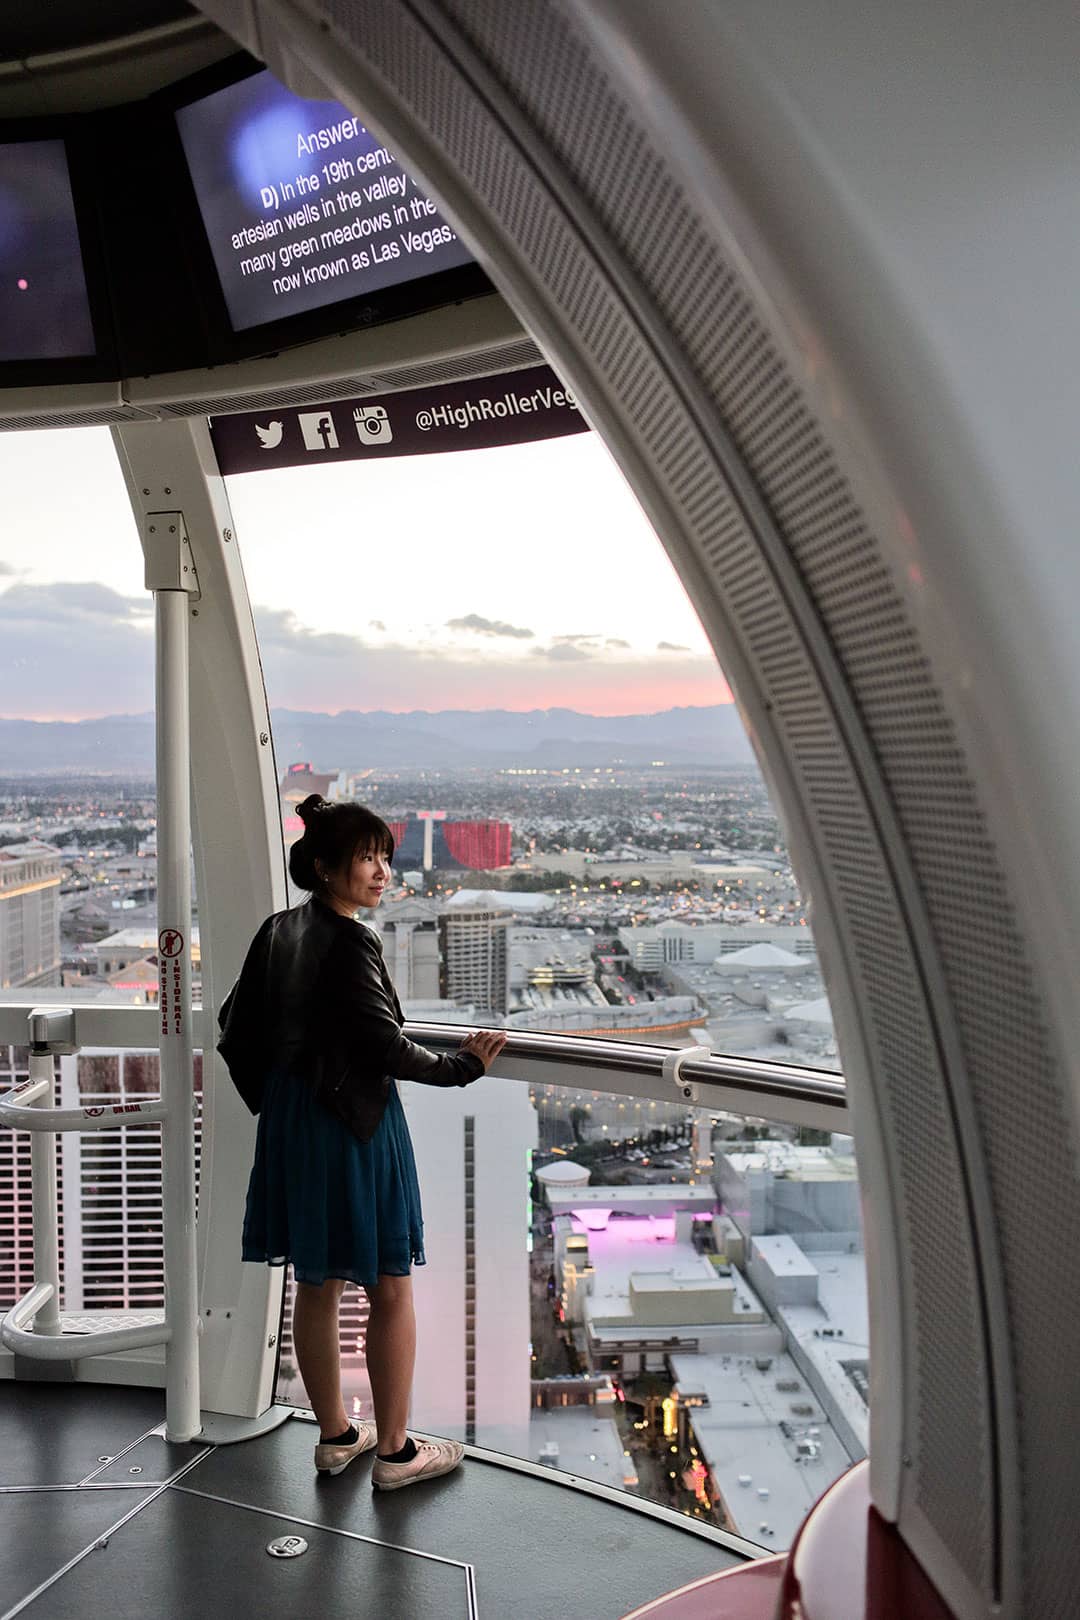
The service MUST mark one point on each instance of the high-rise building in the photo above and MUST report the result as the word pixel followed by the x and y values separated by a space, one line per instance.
pixel 473 1149
pixel 112 1214
pixel 109 1187
pixel 16 1214
pixel 29 914
pixel 475 957
pixel 411 949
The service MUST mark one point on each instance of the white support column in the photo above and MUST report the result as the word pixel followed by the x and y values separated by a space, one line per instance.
pixel 240 878
pixel 170 575
pixel 71 1175
pixel 43 1179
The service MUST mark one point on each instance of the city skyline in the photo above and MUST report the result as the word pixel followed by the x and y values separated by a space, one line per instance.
pixel 542 620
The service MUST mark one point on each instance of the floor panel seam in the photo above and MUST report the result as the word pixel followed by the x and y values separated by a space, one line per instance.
pixel 100 1485
pixel 313 1524
pixel 101 1467
pixel 105 1536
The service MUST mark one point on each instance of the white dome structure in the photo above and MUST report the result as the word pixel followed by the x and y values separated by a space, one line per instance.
pixel 761 957
pixel 563 1175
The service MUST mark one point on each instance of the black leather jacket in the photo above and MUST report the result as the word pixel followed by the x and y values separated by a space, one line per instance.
pixel 314 999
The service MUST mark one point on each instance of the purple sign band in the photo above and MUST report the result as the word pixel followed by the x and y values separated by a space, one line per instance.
pixel 512 408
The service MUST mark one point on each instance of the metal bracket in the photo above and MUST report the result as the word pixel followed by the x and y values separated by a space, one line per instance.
pixel 52 1031
pixel 672 1070
pixel 170 562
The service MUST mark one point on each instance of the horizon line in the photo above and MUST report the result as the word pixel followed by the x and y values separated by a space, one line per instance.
pixel 334 714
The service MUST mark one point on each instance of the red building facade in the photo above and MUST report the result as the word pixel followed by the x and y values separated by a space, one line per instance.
pixel 479 845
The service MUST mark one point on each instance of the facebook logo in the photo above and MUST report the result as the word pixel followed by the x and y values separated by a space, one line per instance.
pixel 318 430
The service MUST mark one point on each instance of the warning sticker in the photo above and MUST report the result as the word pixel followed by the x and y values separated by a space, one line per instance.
pixel 170 980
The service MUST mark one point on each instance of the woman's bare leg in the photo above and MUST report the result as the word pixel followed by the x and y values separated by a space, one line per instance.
pixel 391 1356
pixel 317 1341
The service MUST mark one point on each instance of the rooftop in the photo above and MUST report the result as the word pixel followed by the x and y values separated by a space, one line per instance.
pixel 763 956
pixel 580 1017
pixel 633 1248
pixel 486 900
pixel 795 1163
pixel 784 1256
pixel 141 939
pixel 811 1012
pixel 749 1435
pixel 659 1200
pixel 834 1334
pixel 588 1444
pixel 686 1281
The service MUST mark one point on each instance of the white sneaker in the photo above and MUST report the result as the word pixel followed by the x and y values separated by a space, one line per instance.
pixel 433 1457
pixel 330 1459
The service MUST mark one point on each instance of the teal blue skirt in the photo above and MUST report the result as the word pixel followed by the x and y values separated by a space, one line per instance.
pixel 331 1205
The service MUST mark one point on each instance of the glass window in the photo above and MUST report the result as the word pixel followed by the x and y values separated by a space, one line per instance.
pixel 667 1301
pixel 492 650
pixel 77 809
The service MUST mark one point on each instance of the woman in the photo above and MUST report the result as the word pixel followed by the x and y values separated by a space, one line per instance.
pixel 312 1036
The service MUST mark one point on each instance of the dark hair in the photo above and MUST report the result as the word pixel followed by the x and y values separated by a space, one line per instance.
pixel 333 833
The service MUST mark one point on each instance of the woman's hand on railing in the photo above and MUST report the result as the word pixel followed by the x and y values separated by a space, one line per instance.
pixel 486 1044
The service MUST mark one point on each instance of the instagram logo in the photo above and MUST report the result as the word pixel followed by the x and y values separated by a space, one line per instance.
pixel 372 424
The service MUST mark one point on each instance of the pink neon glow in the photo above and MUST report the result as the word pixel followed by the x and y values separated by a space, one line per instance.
pixel 641 1229
pixel 22 284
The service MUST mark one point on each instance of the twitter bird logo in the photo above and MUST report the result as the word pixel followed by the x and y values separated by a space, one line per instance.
pixel 269 436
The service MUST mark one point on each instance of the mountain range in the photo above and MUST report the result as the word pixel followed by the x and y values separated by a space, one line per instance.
pixel 354 739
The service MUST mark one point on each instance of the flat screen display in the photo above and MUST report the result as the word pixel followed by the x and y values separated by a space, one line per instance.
pixel 303 206
pixel 44 308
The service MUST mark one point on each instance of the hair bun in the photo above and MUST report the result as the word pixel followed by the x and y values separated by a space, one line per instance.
pixel 310 808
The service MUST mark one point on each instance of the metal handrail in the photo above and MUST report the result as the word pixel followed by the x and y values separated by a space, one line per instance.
pixel 19 1097
pixel 33 1327
pixel 21 1333
pixel 787 1092
pixel 18 1115
pixel 783 1091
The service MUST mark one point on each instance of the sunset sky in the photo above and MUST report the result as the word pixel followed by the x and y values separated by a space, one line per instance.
pixel 518 578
